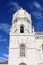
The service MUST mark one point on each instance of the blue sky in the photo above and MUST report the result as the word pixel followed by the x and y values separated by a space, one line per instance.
pixel 7 8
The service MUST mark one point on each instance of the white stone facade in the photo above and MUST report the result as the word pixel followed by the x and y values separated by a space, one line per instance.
pixel 32 41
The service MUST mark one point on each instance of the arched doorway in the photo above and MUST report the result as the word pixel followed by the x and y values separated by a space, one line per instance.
pixel 22 64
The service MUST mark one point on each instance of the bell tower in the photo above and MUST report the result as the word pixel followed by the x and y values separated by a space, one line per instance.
pixel 20 36
pixel 21 22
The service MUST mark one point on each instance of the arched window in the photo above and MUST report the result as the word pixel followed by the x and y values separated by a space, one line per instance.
pixel 22 50
pixel 21 29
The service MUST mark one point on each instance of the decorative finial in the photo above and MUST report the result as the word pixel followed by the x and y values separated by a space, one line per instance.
pixel 21 8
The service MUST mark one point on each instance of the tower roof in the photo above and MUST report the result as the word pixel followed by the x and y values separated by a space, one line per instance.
pixel 22 13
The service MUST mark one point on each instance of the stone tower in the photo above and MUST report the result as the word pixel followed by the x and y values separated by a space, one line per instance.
pixel 23 47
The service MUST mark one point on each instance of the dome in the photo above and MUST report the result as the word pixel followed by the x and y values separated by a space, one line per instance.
pixel 22 13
